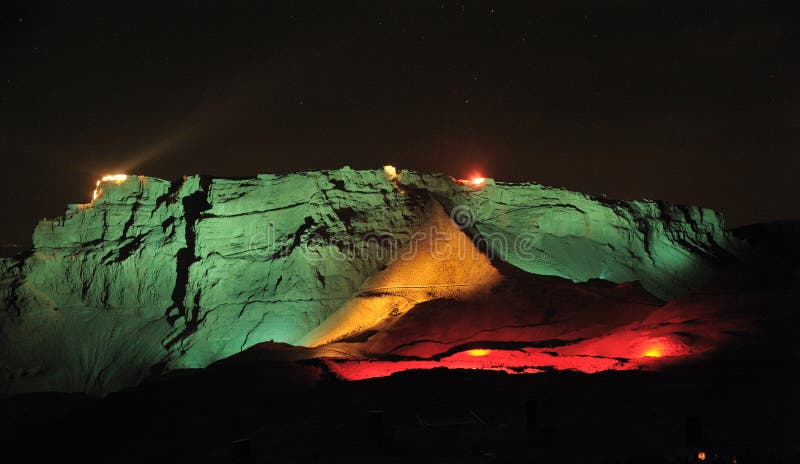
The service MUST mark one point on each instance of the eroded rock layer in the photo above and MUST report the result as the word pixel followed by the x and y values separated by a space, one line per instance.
pixel 155 274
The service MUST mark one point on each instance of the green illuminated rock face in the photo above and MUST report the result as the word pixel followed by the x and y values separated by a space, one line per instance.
pixel 156 274
pixel 551 231
pixel 275 255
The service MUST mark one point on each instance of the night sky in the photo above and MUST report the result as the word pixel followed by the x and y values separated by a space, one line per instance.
pixel 687 101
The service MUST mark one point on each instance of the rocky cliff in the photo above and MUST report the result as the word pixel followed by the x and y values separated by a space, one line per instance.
pixel 155 275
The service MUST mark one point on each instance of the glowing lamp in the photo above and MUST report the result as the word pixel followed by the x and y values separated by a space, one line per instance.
pixel 96 191
pixel 390 171
pixel 116 178
pixel 701 455
pixel 652 353
pixel 476 181
pixel 478 352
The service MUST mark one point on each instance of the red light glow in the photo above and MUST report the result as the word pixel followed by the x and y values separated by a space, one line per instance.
pixel 645 336
pixel 620 351
pixel 524 361
pixel 475 181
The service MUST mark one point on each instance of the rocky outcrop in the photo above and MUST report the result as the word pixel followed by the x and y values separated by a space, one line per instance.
pixel 552 231
pixel 156 275
pixel 274 256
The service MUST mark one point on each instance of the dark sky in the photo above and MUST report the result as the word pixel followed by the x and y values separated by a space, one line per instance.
pixel 688 101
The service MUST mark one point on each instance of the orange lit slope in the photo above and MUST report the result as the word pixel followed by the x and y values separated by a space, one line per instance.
pixel 441 263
